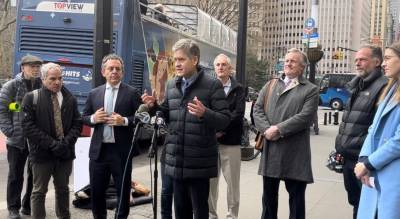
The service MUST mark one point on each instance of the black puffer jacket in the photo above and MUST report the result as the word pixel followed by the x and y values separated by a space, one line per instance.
pixel 359 113
pixel 237 104
pixel 39 127
pixel 191 146
pixel 10 122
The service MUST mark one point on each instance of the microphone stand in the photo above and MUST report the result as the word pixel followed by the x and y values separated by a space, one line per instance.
pixel 134 139
pixel 153 154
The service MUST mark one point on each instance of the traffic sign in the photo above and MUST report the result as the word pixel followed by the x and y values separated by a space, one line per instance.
pixel 312 35
pixel 309 23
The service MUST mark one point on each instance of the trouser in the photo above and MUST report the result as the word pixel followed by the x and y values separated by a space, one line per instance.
pixel 296 190
pixel 16 163
pixel 110 163
pixel 352 185
pixel 229 163
pixel 60 171
pixel 167 190
pixel 190 198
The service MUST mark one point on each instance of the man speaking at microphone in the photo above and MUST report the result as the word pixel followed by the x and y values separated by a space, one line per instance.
pixel 195 108
pixel 110 109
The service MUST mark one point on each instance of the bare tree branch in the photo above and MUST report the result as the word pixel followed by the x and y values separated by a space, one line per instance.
pixel 5 26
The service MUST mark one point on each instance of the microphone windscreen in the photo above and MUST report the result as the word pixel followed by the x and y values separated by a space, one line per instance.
pixel 142 108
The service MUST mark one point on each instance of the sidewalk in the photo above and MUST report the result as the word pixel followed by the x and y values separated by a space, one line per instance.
pixel 326 198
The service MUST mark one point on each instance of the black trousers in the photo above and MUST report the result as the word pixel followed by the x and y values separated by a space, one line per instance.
pixel 191 198
pixel 167 190
pixel 296 190
pixel 111 162
pixel 16 164
pixel 352 185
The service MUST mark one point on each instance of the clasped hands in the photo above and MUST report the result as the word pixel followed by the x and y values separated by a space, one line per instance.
pixel 272 133
pixel 195 107
pixel 101 116
pixel 363 174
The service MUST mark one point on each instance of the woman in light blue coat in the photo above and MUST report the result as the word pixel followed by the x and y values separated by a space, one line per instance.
pixel 379 161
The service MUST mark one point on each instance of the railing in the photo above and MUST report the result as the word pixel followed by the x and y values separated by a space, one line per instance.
pixel 196 22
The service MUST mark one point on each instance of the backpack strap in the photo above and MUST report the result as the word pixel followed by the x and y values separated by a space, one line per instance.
pixel 270 86
pixel 35 96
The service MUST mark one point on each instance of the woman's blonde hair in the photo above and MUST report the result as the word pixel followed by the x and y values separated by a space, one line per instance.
pixel 395 47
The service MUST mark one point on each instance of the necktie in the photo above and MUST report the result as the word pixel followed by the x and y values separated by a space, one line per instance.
pixel 107 132
pixel 57 116
pixel 185 86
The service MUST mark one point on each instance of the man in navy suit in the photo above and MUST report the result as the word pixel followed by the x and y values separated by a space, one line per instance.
pixel 110 109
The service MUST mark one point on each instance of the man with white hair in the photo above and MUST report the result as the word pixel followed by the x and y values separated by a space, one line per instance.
pixel 52 124
pixel 229 140
pixel 283 113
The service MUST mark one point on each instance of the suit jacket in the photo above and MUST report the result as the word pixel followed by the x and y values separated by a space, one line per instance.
pixel 128 101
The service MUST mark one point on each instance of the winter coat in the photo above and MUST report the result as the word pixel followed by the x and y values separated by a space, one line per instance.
pixel 292 111
pixel 191 145
pixel 359 113
pixel 39 126
pixel 10 122
pixel 382 147
pixel 237 104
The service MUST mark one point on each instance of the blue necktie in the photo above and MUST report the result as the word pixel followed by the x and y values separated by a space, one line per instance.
pixel 107 132
pixel 185 86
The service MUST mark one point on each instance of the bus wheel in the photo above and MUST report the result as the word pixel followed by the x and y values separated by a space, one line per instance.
pixel 336 104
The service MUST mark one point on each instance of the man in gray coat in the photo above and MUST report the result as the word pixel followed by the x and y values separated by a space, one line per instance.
pixel 10 124
pixel 285 122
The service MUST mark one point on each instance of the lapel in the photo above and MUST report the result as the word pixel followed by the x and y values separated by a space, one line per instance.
pixel 119 97
pixel 386 106
pixel 102 93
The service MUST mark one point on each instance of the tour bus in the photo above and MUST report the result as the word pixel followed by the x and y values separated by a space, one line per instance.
pixel 332 90
pixel 62 32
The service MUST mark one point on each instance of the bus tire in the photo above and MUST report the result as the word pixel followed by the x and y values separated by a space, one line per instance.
pixel 336 104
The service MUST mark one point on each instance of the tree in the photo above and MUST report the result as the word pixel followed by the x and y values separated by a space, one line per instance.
pixel 7 28
pixel 256 75
pixel 227 11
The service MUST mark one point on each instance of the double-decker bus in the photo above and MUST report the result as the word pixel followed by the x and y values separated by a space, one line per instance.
pixel 62 31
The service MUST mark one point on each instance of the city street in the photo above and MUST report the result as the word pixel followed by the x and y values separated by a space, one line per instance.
pixel 326 198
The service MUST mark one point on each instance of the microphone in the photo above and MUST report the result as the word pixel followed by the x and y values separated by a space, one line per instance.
pixel 160 123
pixel 143 117
pixel 142 114
pixel 142 108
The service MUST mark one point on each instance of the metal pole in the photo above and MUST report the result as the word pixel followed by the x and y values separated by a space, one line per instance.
pixel 241 44
pixel 102 38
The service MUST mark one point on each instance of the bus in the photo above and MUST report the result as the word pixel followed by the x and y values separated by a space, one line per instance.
pixel 62 31
pixel 332 90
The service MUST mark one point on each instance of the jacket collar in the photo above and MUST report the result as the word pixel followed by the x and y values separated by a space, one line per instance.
pixel 300 79
pixel 199 74
pixel 362 83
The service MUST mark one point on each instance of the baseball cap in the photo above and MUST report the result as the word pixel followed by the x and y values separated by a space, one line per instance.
pixel 30 59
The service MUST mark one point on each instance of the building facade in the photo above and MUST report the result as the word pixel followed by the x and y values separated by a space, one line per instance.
pixel 341 27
